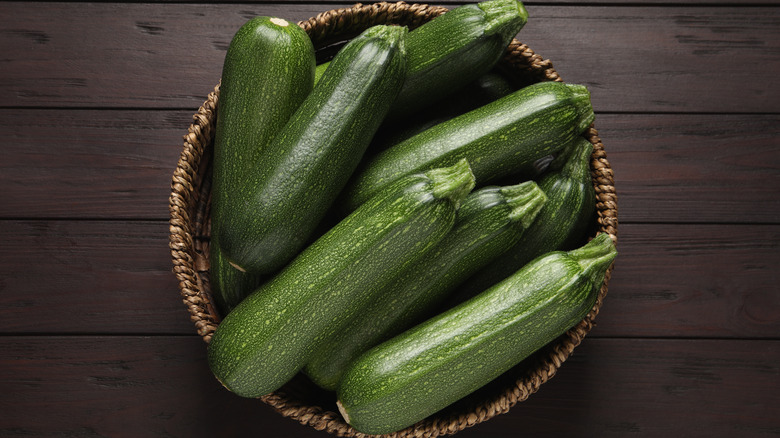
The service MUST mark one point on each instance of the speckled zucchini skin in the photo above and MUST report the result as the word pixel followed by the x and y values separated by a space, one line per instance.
pixel 562 222
pixel 489 222
pixel 272 334
pixel 268 71
pixel 313 156
pixel 436 363
pixel 498 139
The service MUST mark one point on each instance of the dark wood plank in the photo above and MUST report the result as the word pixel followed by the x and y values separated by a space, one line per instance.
pixel 663 59
pixel 123 387
pixel 694 281
pixel 653 388
pixel 88 277
pixel 115 277
pixel 161 386
pixel 118 164
pixel 130 55
pixel 701 59
pixel 96 164
pixel 694 168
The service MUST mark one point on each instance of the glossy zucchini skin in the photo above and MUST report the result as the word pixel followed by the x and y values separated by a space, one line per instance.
pixel 436 363
pixel 267 73
pixel 316 151
pixel 562 223
pixel 453 49
pixel 499 139
pixel 489 222
pixel 273 332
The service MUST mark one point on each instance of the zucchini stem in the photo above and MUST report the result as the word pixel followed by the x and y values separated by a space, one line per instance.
pixel 454 182
pixel 581 99
pixel 526 200
pixel 504 17
pixel 595 257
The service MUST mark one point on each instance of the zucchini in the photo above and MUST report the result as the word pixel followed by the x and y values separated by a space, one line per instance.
pixel 561 225
pixel 320 70
pixel 228 285
pixel 489 222
pixel 436 363
pixel 273 332
pixel 485 89
pixel 314 154
pixel 268 71
pixel 453 49
pixel 499 139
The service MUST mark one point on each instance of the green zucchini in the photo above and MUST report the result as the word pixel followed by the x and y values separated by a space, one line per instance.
pixel 312 157
pixel 453 49
pixel 445 358
pixel 320 70
pixel 499 139
pixel 489 222
pixel 227 284
pixel 485 89
pixel 562 224
pixel 273 332
pixel 268 71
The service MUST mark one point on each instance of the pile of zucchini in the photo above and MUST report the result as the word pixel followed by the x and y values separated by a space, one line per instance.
pixel 401 224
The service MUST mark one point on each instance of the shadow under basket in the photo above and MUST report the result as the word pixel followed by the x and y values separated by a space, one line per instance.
pixel 300 399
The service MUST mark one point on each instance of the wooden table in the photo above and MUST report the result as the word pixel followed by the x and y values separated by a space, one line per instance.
pixel 95 98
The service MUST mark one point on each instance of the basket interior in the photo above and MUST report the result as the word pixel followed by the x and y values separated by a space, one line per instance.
pixel 300 399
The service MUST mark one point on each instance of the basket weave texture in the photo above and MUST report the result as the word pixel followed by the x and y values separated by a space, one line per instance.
pixel 300 399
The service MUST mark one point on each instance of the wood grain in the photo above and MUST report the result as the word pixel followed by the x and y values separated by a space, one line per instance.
pixel 698 59
pixel 86 163
pixel 116 386
pixel 653 388
pixel 98 277
pixel 88 277
pixel 161 386
pixel 689 168
pixel 694 281
pixel 649 59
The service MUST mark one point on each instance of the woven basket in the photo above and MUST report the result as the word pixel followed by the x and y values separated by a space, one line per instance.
pixel 300 399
